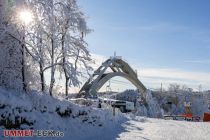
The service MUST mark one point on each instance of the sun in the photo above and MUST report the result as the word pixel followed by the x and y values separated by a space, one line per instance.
pixel 26 16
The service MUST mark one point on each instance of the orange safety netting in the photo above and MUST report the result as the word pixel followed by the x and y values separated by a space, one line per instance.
pixel 187 115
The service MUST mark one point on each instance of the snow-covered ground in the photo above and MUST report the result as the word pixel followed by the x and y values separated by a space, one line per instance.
pixel 39 111
pixel 140 128
pixel 159 129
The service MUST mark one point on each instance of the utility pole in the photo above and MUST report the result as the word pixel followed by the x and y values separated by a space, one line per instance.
pixel 108 87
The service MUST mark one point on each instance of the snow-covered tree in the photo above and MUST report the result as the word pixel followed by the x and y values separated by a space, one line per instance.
pixel 58 40
pixel 174 87
pixel 73 47
pixel 53 40
pixel 11 54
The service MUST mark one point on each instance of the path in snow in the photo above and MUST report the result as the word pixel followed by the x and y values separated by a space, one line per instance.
pixel 158 129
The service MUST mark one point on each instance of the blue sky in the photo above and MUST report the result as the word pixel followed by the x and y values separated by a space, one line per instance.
pixel 159 36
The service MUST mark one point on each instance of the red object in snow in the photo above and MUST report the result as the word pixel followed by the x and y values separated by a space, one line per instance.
pixel 187 115
pixel 206 117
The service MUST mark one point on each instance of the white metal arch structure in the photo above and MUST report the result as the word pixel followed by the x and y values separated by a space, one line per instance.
pixel 118 68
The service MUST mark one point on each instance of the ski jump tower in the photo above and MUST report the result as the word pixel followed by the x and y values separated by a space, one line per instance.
pixel 117 67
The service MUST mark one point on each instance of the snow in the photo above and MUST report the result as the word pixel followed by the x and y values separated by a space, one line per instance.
pixel 80 122
pixel 159 129
pixel 150 107
pixel 43 112
pixel 199 101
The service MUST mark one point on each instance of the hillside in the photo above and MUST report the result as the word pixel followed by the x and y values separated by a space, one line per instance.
pixel 39 111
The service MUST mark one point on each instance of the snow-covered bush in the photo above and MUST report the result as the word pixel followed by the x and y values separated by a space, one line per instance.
pixel 144 107
pixel 128 95
pixel 173 102
pixel 41 111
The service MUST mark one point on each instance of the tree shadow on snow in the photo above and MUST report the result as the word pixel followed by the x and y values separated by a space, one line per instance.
pixel 112 132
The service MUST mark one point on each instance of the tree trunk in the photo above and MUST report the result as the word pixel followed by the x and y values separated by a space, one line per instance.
pixel 64 66
pixel 42 77
pixel 41 69
pixel 67 86
pixel 67 80
pixel 52 80
pixel 77 58
pixel 23 65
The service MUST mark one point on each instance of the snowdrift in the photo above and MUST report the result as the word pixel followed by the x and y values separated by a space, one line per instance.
pixel 40 111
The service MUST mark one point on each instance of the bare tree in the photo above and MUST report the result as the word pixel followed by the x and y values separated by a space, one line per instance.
pixel 174 87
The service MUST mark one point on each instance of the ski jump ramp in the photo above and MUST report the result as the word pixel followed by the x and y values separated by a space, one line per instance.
pixel 118 67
